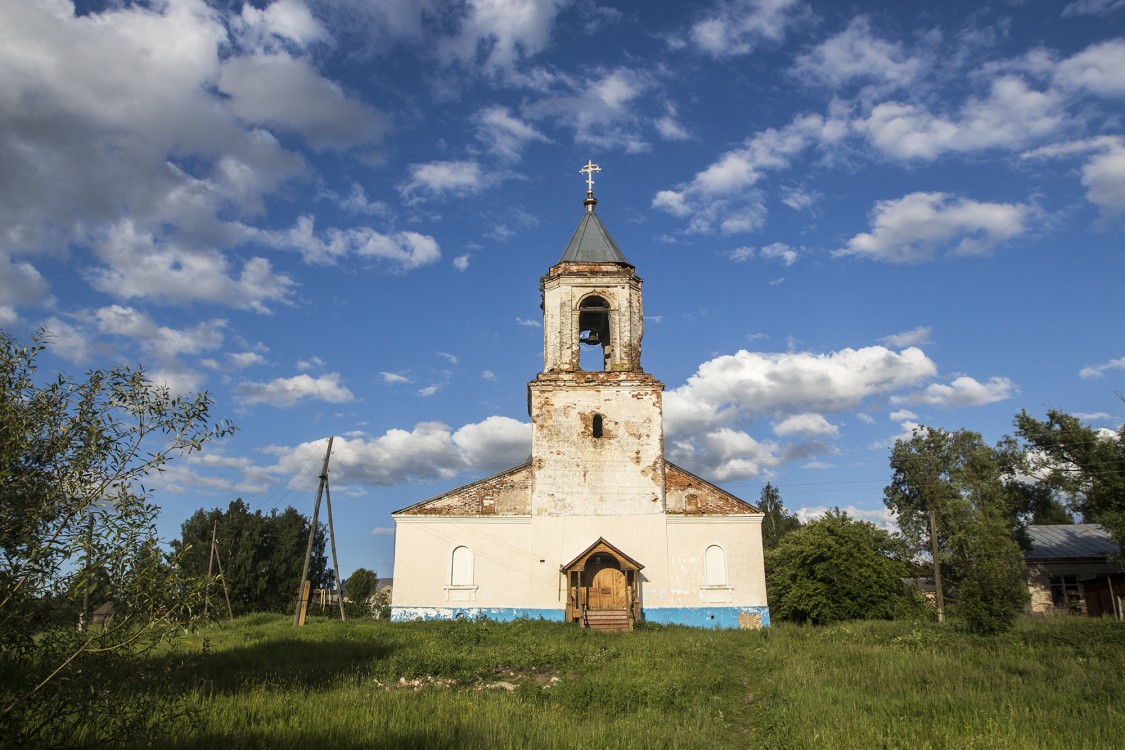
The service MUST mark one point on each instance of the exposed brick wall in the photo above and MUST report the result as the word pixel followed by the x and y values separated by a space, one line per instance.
pixel 504 494
pixel 687 494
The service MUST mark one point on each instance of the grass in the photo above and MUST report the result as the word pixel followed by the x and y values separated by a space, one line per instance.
pixel 261 683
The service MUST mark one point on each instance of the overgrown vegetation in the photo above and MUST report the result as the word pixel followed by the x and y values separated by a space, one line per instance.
pixel 836 568
pixel 259 682
pixel 77 530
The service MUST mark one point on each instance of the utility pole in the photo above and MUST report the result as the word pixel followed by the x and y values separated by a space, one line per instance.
pixel 303 585
pixel 210 563
pixel 332 539
pixel 939 598
pixel 222 576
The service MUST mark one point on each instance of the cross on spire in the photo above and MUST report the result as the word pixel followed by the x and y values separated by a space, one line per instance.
pixel 589 170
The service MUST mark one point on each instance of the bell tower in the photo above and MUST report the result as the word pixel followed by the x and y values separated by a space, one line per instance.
pixel 597 421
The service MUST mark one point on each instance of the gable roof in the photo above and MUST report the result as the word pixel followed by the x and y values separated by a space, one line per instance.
pixel 716 501
pixel 591 243
pixel 461 501
pixel 1070 542
pixel 602 546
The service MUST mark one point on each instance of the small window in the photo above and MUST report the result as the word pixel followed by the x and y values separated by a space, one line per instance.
pixel 715 566
pixel 596 427
pixel 462 568
pixel 1066 593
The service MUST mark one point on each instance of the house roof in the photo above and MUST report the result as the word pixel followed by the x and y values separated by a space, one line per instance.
pixel 591 242
pixel 1069 542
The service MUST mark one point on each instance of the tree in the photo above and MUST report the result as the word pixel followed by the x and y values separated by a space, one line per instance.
pixel 777 522
pixel 992 587
pixel 835 568
pixel 74 454
pixel 1086 465
pixel 957 496
pixel 361 586
pixel 262 554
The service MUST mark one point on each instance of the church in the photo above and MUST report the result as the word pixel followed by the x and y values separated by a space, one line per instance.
pixel 596 528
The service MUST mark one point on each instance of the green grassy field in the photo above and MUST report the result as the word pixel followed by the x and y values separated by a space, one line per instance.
pixel 261 683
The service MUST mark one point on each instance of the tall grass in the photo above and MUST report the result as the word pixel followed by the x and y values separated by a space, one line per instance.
pixel 261 683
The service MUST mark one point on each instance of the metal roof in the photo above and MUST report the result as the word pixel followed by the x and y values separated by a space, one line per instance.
pixel 1068 542
pixel 591 243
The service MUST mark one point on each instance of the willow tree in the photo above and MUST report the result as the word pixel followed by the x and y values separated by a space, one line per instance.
pixel 74 456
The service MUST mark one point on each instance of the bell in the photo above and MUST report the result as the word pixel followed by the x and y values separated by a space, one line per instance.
pixel 592 338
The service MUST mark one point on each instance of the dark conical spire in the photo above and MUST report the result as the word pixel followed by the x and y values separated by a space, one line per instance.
pixel 591 242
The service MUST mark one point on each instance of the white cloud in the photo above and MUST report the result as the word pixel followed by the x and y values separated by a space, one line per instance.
pixel 1011 115
pixel 287 392
pixel 722 196
pixel 431 450
pixel 283 20
pixel 529 322
pixel 726 454
pixel 312 363
pixel 394 377
pixel 963 391
pixel 154 154
pixel 855 54
pixel 799 198
pixel 487 375
pixel 506 134
pixel 670 128
pixel 288 93
pixel 242 360
pixel 601 107
pixel 902 415
pixel 72 343
pixel 450 358
pixel 738 27
pixel 1097 371
pixel 1099 69
pixel 403 250
pixel 383 531
pixel 496 34
pixel 778 251
pixel 440 178
pixel 881 517
pixel 163 342
pixel 1092 8
pixel 138 265
pixel 913 337
pixel 1103 174
pixel 915 227
pixel 461 262
pixel 807 424
pixel 744 385
pixel 21 284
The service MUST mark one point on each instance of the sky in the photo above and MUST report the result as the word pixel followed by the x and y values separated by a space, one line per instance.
pixel 851 219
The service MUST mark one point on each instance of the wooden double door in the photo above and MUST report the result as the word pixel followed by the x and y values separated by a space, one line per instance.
pixel 607 590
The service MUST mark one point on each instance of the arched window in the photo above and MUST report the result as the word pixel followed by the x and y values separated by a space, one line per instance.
pixel 596 427
pixel 715 566
pixel 593 331
pixel 461 571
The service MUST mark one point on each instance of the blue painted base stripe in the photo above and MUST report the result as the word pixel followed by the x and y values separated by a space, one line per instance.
pixel 697 617
pixel 500 614
pixel 704 617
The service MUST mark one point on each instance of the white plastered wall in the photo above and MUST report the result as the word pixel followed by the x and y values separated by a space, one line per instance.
pixel 517 559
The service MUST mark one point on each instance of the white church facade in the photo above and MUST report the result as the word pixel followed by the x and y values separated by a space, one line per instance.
pixel 597 527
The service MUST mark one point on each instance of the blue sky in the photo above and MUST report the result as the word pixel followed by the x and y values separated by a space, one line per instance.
pixel 851 219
